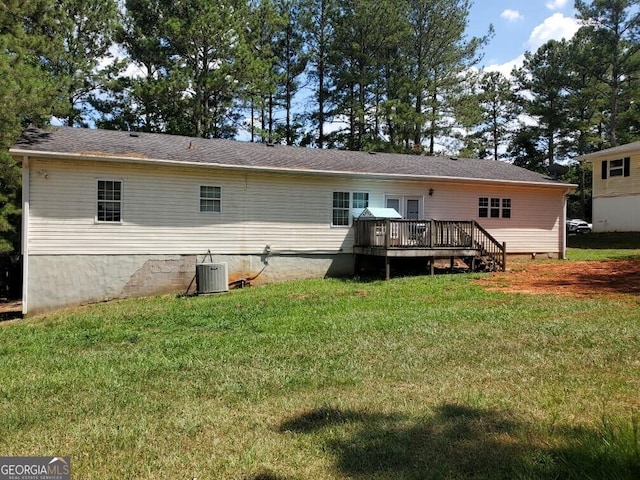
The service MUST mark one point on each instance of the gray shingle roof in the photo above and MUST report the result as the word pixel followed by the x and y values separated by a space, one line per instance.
pixel 152 147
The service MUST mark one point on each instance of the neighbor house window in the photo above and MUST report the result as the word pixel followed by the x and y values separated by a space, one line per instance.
pixel 210 198
pixel 620 167
pixel 109 201
pixel 494 207
pixel 344 202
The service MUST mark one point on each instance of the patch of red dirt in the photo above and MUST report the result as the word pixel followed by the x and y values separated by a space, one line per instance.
pixel 580 279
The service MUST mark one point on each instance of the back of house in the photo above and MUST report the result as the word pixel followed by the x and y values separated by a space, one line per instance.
pixel 112 214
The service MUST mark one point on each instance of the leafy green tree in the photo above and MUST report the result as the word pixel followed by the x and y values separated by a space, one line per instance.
pixel 525 149
pixel 579 201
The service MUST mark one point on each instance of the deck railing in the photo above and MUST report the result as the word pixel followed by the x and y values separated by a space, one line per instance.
pixel 430 234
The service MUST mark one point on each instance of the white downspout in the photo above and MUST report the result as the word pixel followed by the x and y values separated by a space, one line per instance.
pixel 25 234
pixel 563 227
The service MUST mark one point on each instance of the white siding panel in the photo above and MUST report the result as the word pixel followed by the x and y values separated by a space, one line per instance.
pixel 616 214
pixel 288 212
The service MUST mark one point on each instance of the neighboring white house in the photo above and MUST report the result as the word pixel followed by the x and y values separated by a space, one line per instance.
pixel 111 214
pixel 616 188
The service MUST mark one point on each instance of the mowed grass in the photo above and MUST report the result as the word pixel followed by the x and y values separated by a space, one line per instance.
pixel 414 378
pixel 604 246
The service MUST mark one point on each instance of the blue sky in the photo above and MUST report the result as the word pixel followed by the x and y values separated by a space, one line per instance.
pixel 519 25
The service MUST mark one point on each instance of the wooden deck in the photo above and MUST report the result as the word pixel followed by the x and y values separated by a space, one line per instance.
pixel 433 239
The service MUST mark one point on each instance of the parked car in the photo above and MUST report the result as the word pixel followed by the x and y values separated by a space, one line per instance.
pixel 575 225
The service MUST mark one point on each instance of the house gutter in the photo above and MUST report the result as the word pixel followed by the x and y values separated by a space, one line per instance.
pixel 563 226
pixel 302 171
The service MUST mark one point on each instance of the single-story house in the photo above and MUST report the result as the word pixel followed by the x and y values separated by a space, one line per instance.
pixel 112 214
pixel 616 188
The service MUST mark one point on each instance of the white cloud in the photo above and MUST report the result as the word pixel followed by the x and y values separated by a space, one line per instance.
pixel 556 4
pixel 507 67
pixel 555 27
pixel 511 15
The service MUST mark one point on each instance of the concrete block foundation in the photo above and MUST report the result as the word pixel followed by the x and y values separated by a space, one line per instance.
pixel 59 281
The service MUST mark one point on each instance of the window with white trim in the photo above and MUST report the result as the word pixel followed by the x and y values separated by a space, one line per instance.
pixel 506 208
pixel 344 203
pixel 494 207
pixel 109 206
pixel 210 199
pixel 340 209
pixel 483 207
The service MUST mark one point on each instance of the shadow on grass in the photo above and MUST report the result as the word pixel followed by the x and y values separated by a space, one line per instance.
pixel 265 476
pixel 459 442
pixel 613 277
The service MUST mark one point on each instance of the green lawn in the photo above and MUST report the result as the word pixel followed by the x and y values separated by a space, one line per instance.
pixel 604 246
pixel 327 379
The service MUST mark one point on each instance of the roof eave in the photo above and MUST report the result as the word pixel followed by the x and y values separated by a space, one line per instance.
pixel 19 154
pixel 619 150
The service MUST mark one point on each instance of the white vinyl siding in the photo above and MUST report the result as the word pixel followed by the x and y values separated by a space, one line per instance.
pixel 612 179
pixel 288 212
pixel 616 214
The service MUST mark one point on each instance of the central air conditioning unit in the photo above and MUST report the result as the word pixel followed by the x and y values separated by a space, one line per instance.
pixel 212 278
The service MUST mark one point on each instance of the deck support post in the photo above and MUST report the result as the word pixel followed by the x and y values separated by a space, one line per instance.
pixel 387 268
pixel 504 256
pixel 431 266
pixel 451 263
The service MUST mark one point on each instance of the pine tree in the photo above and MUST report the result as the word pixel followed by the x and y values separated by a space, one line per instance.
pixel 318 20
pixel 82 33
pixel 27 96
pixel 490 114
pixel 542 82
pixel 440 54
pixel 614 28
pixel 209 41
pixel 292 59
pixel 147 97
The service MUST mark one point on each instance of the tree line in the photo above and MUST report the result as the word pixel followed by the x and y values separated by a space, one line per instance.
pixel 386 75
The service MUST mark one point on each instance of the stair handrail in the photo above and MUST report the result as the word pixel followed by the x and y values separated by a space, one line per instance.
pixel 499 251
